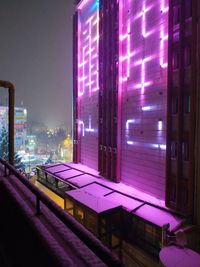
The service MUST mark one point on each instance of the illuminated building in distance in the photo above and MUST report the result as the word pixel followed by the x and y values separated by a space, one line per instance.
pixel 20 125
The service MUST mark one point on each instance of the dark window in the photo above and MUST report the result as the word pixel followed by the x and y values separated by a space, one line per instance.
pixel 187 103
pixel 185 151
pixel 175 59
pixel 173 193
pixel 174 105
pixel 187 56
pixel 188 9
pixel 176 15
pixel 173 149
pixel 184 197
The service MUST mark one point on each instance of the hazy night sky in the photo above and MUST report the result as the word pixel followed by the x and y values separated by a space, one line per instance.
pixel 36 55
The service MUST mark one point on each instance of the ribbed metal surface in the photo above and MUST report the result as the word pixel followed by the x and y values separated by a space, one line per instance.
pixel 108 105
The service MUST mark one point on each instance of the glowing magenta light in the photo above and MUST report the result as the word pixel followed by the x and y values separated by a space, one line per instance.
pixel 82 4
pixel 129 122
pixel 160 125
pixel 163 147
pixel 143 15
pixel 143 83
pixel 90 51
pixel 164 7
pixel 163 39
pixel 83 78
pixel 146 108
pixel 128 49
pixel 130 142
pixel 89 129
pixel 143 40
pixel 159 146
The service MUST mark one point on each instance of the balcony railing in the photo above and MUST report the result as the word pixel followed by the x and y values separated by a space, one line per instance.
pixel 86 237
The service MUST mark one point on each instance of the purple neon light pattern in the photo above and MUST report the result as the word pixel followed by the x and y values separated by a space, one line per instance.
pixel 143 81
pixel 88 81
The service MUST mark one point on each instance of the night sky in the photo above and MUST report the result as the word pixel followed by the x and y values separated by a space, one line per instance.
pixel 36 55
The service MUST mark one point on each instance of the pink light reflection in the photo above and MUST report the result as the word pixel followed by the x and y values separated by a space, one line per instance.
pixel 164 8
pixel 82 4
pixel 81 127
pixel 163 39
pixel 128 49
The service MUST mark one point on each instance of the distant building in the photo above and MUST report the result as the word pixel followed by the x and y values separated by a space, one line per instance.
pixel 36 127
pixel 20 125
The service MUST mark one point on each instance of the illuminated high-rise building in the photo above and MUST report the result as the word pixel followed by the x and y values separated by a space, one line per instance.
pixel 136 99
pixel 20 125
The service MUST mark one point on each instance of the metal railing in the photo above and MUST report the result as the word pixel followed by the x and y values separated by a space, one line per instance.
pixel 84 235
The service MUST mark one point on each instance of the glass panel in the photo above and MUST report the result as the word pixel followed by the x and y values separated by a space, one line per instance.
pixel 79 214
pixel 70 207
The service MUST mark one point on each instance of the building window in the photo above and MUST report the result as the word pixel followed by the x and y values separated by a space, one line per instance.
pixel 187 56
pixel 176 15
pixel 173 149
pixel 185 151
pixel 175 59
pixel 174 105
pixel 188 9
pixel 173 193
pixel 187 104
pixel 184 197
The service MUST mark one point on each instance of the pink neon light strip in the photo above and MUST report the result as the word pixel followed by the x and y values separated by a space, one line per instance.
pixel 97 45
pixel 90 51
pixel 128 49
pixel 82 4
pixel 164 8
pixel 163 36
pixel 88 67
pixel 143 83
pixel 90 129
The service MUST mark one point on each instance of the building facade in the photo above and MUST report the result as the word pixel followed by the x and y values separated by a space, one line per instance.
pixel 136 97
pixel 20 125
